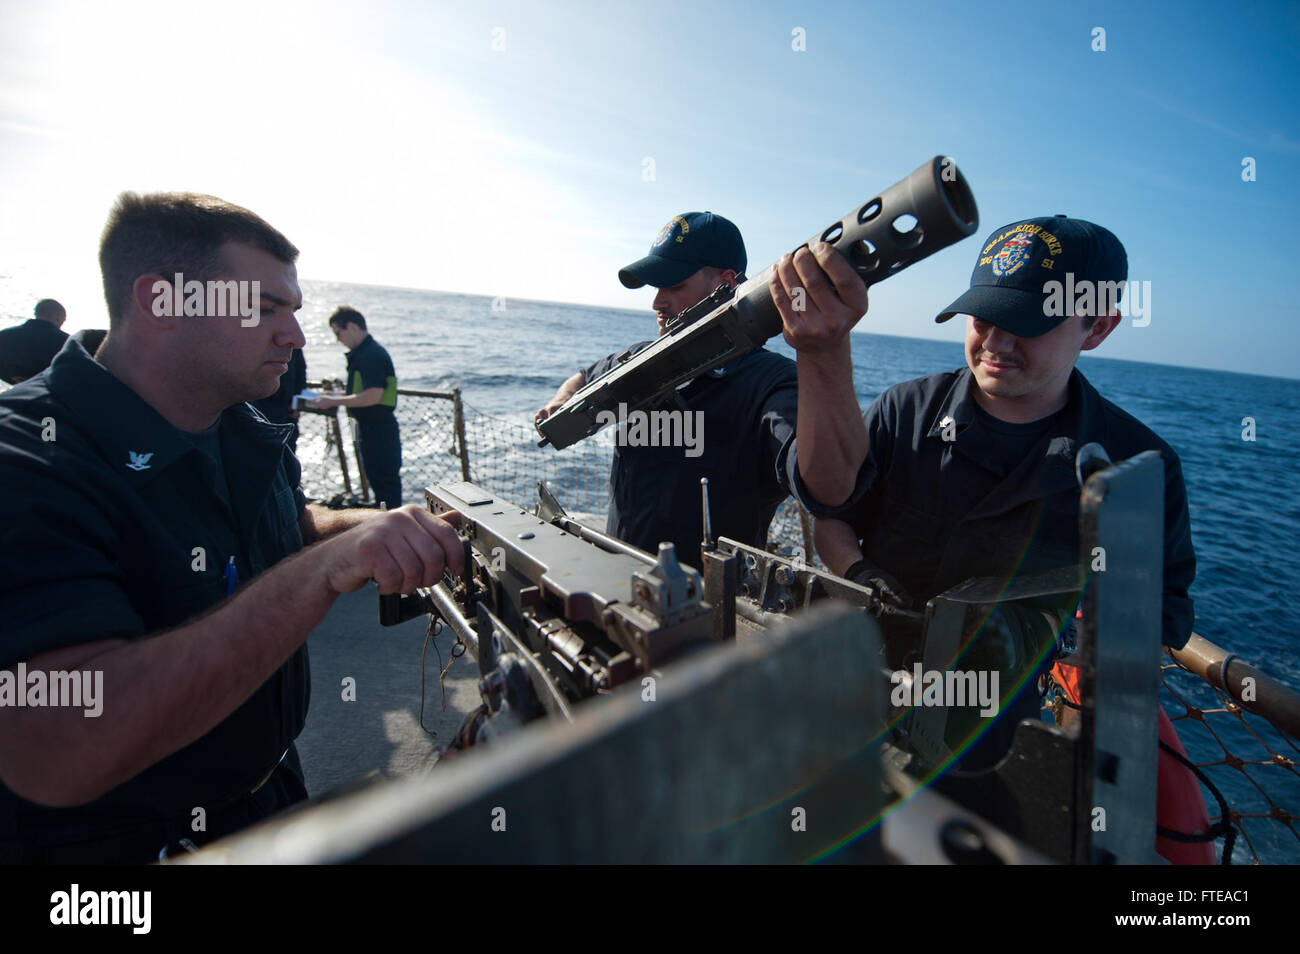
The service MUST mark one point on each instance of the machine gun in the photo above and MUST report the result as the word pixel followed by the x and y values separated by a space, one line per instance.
pixel 929 210
pixel 557 612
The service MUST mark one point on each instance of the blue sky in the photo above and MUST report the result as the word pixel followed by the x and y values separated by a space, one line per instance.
pixel 502 149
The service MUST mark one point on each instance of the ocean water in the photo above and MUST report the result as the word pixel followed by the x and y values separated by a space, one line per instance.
pixel 508 356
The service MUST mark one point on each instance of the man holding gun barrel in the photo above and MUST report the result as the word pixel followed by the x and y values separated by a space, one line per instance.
pixel 747 407
pixel 971 473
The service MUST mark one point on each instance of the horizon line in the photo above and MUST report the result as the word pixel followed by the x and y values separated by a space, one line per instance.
pixel 856 331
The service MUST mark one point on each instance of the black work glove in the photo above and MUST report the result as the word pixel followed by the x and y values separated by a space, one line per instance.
pixel 887 589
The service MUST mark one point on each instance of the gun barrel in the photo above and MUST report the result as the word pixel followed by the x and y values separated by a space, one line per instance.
pixel 927 211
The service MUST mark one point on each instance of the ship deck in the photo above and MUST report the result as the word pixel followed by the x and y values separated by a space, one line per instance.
pixel 379 733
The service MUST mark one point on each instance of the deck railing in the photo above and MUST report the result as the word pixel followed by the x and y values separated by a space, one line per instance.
pixel 444 438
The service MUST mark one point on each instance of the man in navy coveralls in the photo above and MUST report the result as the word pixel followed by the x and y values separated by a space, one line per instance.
pixel 747 408
pixel 153 534
pixel 971 473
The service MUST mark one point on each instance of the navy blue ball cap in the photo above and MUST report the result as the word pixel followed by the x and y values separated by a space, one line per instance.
pixel 1027 274
pixel 686 244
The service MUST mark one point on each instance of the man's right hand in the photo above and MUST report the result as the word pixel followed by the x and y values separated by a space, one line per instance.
pixel 400 550
pixel 167 691
pixel 831 298
pixel 888 589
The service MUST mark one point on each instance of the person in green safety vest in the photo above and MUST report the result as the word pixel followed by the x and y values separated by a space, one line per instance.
pixel 370 400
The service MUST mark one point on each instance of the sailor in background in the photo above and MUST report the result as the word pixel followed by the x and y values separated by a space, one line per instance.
pixel 970 473
pixel 146 517
pixel 371 400
pixel 746 409
pixel 27 349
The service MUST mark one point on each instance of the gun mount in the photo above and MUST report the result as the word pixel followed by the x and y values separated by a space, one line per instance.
pixel 558 613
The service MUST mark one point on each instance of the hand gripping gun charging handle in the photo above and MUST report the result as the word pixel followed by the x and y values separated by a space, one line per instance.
pixel 731 323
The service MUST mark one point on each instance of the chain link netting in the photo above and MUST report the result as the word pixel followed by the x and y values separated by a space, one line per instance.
pixel 444 439
pixel 1271 765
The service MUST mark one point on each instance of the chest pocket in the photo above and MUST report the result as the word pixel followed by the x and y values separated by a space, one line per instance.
pixel 903 539
pixel 1029 539
pixel 909 523
pixel 284 507
pixel 286 513
pixel 279 535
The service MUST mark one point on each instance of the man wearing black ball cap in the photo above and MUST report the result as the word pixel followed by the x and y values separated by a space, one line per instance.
pixel 971 473
pixel 747 407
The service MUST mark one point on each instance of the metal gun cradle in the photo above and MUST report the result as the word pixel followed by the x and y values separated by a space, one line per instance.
pixel 559 613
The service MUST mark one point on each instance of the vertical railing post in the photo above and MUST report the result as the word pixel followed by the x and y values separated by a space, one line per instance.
pixel 343 457
pixel 361 464
pixel 459 411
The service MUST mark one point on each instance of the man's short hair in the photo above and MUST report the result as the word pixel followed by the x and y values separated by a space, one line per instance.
pixel 716 273
pixel 48 308
pixel 168 232
pixel 346 315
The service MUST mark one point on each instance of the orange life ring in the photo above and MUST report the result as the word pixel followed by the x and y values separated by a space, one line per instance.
pixel 1179 804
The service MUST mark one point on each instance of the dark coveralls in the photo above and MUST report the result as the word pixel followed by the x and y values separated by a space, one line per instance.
pixel 27 349
pixel 934 512
pixel 369 366
pixel 119 527
pixel 749 412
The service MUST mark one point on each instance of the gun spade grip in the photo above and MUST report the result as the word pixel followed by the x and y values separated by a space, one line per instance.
pixel 396 608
